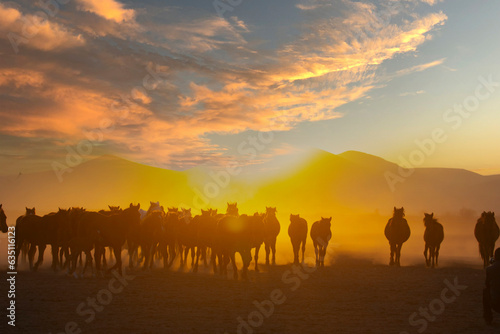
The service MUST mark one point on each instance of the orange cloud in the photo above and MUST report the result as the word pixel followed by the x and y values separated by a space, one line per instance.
pixel 35 31
pixel 108 9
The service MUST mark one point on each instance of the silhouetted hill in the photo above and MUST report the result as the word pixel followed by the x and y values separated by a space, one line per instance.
pixel 325 183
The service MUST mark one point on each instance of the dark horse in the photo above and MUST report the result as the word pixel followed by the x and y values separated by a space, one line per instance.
pixel 486 233
pixel 40 232
pixel 3 221
pixel 433 236
pixel 321 234
pixel 25 246
pixel 113 231
pixel 297 230
pixel 240 234
pixel 397 231
pixel 272 229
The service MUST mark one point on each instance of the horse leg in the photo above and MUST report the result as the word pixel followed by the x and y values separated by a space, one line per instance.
pixel 316 252
pixel 393 251
pixel 104 262
pixel 55 253
pixel 303 249
pixel 97 256
pixel 295 248
pixel 117 251
pixel 322 252
pixel 437 254
pixel 131 251
pixel 213 257
pixel 147 255
pixel 19 247
pixel 198 254
pixel 41 250
pixel 398 254
pixel 31 255
pixel 235 268
pixel 246 256
pixel 192 256
pixel 273 248
pixel 256 257
pixel 204 256
pixel 425 254
pixel 268 250
pixel 25 247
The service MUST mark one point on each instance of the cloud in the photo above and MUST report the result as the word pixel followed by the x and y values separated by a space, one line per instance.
pixel 420 68
pixel 36 31
pixel 412 93
pixel 108 9
pixel 191 74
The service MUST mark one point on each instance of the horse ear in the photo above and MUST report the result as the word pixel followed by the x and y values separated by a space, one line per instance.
pixel 432 215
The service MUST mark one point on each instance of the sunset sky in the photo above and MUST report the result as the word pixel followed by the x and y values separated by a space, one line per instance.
pixel 178 84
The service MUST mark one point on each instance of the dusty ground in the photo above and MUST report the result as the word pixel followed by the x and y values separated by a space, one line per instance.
pixel 344 298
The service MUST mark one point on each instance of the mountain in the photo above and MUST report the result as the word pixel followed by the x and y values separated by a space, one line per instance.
pixel 351 181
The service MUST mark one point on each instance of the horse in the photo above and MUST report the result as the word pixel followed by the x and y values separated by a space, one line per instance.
pixel 112 211
pixel 113 229
pixel 169 242
pixel 25 246
pixel 486 232
pixel 272 229
pixel 237 234
pixel 433 236
pixel 151 234
pixel 397 231
pixel 65 233
pixel 40 232
pixel 206 229
pixel 3 221
pixel 297 231
pixel 321 234
pixel 186 236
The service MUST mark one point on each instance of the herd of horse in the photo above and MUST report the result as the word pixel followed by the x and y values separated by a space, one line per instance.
pixel 210 236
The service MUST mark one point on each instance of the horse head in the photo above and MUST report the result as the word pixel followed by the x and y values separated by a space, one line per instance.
pixel 232 209
pixel 114 208
pixel 30 211
pixel 326 222
pixel 294 218
pixel 399 213
pixel 429 219
pixel 271 211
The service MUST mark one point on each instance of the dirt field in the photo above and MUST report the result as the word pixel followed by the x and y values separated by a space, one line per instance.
pixel 348 297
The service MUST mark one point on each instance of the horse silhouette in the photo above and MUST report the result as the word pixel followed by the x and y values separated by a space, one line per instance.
pixel 66 233
pixel 297 231
pixel 114 210
pixel 272 230
pixel 187 236
pixel 206 230
pixel 170 237
pixel 397 231
pixel 486 233
pixel 433 236
pixel 40 232
pixel 321 234
pixel 3 221
pixel 237 234
pixel 259 230
pixel 152 230
pixel 113 229
pixel 25 247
